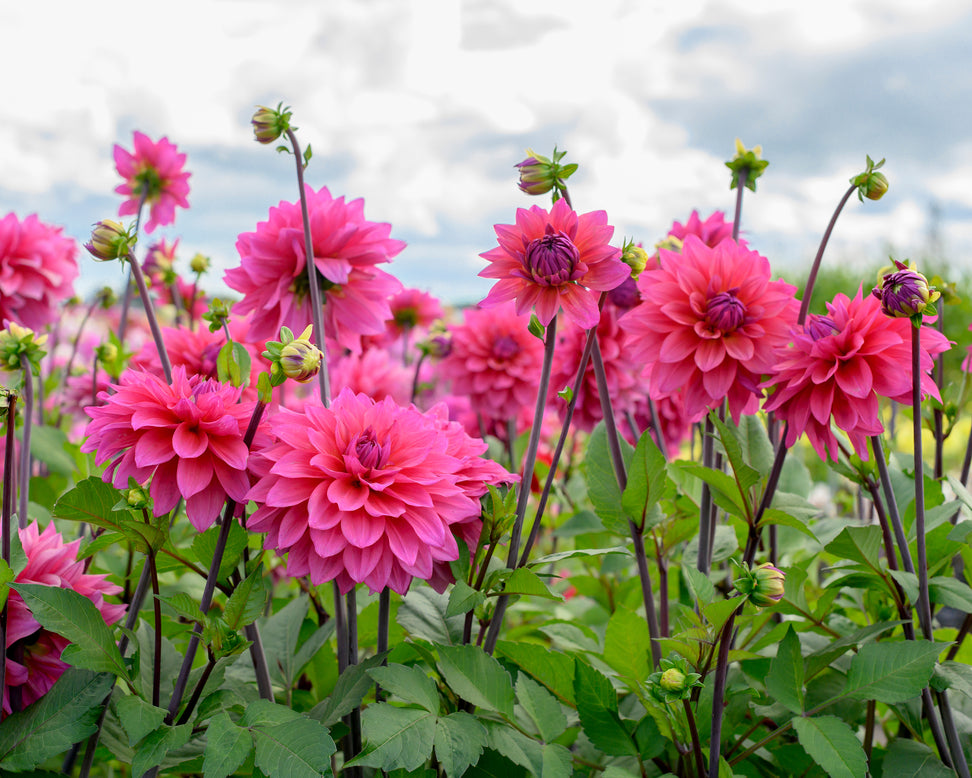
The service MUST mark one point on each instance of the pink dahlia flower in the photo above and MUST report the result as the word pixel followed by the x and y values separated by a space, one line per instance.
pixel 187 437
pixel 711 232
pixel 374 373
pixel 620 371
pixel 494 361
pixel 51 562
pixel 670 408
pixel 550 261
pixel 153 170
pixel 273 277
pixel 38 266
pixel 838 365
pixel 709 323
pixel 368 492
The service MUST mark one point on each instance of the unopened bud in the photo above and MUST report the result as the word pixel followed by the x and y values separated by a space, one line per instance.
pixel 635 257
pixel 870 183
pixel 747 166
pixel 269 123
pixel 763 586
pixel 199 264
pixel 300 360
pixel 905 293
pixel 109 240
pixel 672 680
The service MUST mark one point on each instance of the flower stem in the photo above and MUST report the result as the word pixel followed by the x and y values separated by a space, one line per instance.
pixel 157 611
pixel 924 603
pixel 719 692
pixel 384 616
pixel 259 658
pixel 25 460
pixel 150 315
pixel 317 306
pixel 696 745
pixel 892 505
pixel 812 278
pixel 705 503
pixel 355 716
pixel 5 521
pixel 737 216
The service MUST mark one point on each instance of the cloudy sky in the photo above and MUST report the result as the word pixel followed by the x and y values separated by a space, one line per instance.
pixel 423 106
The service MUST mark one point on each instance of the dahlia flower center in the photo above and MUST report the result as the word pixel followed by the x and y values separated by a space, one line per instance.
pixel 301 288
pixel 148 183
pixel 505 347
pixel 725 311
pixel 368 450
pixel 552 259
pixel 819 326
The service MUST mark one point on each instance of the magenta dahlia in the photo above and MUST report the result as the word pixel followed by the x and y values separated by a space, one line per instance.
pixel 38 266
pixel 375 373
pixel 368 492
pixel 187 437
pixel 51 562
pixel 153 171
pixel 548 261
pixel 711 232
pixel 709 324
pixel 272 275
pixel 839 364
pixel 495 361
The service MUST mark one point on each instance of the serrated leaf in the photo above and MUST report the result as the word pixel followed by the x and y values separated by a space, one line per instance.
pixel 953 675
pixel 138 717
pixel 602 483
pixel 423 615
pixel 227 747
pixel 553 669
pixel 560 556
pixel 247 601
pixel 823 657
pixel 288 744
pixel 858 544
pixel 93 501
pixel 66 715
pixel 459 741
pixel 410 684
pixel 911 759
pixel 784 682
pixel 204 546
pixel 541 706
pixel 462 598
pixel 725 492
pixel 703 589
pixel 280 633
pixel 525 581
pixel 76 618
pixel 892 672
pixel 597 706
pixel 477 677
pixel 743 473
pixel 832 744
pixel 351 687
pixel 627 645
pixel 6 576
pixel 784 519
pixel 152 750
pixel 515 746
pixel 951 592
pixel 395 737
pixel 183 605
pixel 647 478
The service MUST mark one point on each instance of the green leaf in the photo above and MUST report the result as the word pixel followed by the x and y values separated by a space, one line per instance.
pixel 459 742
pixel 755 443
pixel 911 759
pixel 573 553
pixel 395 737
pixel 462 598
pixel 288 744
pixel 602 483
pixel 227 747
pixel 351 687
pixel 204 546
pixel 525 581
pixel 541 706
pixel 515 746
pixel 50 445
pixel 952 592
pixel 858 544
pixel 152 750
pixel 647 477
pixel 410 684
pixel 423 615
pixel 702 588
pixel 784 682
pixel 597 706
pixel 247 601
pixel 557 761
pixel 832 744
pixel 138 717
pixel 280 634
pixel 892 672
pixel 744 474
pixel 627 645
pixel 553 669
pixel 953 675
pixel 725 492
pixel 822 658
pixel 477 677
pixel 75 617
pixel 6 576
pixel 783 519
pixel 93 501
pixel 66 715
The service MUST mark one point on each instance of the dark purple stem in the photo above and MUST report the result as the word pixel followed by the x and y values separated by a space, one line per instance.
pixel 150 315
pixel 719 693
pixel 5 520
pixel 815 267
pixel 25 459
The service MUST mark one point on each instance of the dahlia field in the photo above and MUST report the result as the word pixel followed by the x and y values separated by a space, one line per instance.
pixel 647 509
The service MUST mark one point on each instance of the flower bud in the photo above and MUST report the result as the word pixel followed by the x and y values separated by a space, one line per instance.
pixel 300 360
pixel 17 342
pixel 106 353
pixel 905 293
pixel 748 162
pixel 109 240
pixel 672 680
pixel 870 183
pixel 199 264
pixel 763 586
pixel 635 257
pixel 106 298
pixel 269 123
pixel 536 174
pixel 138 498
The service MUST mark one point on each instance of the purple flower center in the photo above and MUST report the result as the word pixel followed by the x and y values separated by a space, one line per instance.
pixel 367 449
pixel 819 326
pixel 725 311
pixel 505 347
pixel 552 259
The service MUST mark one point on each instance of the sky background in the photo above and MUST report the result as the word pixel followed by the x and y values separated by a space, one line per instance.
pixel 422 107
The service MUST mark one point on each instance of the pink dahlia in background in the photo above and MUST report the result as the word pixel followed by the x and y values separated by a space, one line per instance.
pixel 51 562
pixel 709 324
pixel 554 260
pixel 711 232
pixel 838 365
pixel 38 266
pixel 413 308
pixel 670 408
pixel 272 276
pixel 153 171
pixel 495 362
pixel 187 437
pixel 367 492
pixel 620 371
pixel 374 373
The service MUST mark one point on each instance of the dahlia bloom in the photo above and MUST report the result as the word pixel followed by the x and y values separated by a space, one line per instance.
pixel 670 408
pixel 38 266
pixel 272 276
pixel 620 371
pixel 838 365
pixel 52 562
pixel 187 437
pixel 709 323
pixel 155 171
pixel 553 260
pixel 495 361
pixel 711 232
pixel 368 492
pixel 374 373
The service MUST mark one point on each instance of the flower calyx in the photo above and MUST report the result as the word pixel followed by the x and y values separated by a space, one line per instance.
pixel 270 123
pixel 870 183
pixel 540 174
pixel 746 166
pixel 674 682
pixel 110 240
pixel 762 585
pixel 293 357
